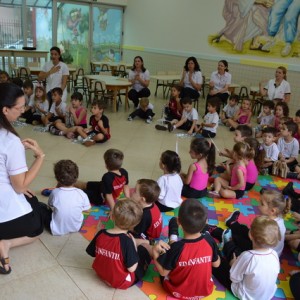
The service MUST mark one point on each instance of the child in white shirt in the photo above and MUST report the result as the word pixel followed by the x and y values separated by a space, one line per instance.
pixel 230 109
pixel 265 118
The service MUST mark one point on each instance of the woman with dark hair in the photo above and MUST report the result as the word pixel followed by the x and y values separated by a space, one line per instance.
pixel 139 76
pixel 56 73
pixel 219 83
pixel 20 219
pixel 277 88
pixel 191 79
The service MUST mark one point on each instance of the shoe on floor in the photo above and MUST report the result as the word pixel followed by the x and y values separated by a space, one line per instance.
pixel 47 192
pixel 129 118
pixel 226 236
pixel 232 218
pixel 214 194
pixel 170 127
pixel 4 261
pixel 88 142
pixel 149 120
pixel 161 127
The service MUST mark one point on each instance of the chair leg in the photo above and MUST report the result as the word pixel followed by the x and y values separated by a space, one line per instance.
pixel 155 94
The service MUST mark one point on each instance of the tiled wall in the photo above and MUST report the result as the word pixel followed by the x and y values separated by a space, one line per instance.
pixel 241 74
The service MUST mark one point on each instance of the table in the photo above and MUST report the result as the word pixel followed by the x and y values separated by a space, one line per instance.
pixel 165 80
pixel 114 84
pixel 112 64
pixel 37 70
pixel 14 53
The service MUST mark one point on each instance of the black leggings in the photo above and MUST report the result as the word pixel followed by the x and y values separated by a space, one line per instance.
pixel 294 285
pixel 134 96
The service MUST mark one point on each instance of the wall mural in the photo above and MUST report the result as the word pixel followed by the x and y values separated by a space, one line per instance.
pixel 261 27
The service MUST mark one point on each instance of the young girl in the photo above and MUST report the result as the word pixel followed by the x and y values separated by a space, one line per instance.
pixel 170 183
pixel 235 187
pixel 39 108
pixel 254 163
pixel 195 181
pixel 281 111
pixel 4 77
pixel 243 116
pixel 173 110
pixel 75 116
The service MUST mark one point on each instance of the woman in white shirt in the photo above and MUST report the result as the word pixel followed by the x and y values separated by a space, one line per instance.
pixel 191 79
pixel 139 76
pixel 278 88
pixel 20 219
pixel 56 73
pixel 219 83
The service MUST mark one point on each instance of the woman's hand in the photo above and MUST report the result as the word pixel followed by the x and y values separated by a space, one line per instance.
pixel 54 69
pixel 34 146
pixel 160 248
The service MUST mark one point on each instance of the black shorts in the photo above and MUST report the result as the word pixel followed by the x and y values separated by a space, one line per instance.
pixel 249 186
pixel 97 132
pixel 239 194
pixel 94 192
pixel 189 192
pixel 30 225
pixel 55 118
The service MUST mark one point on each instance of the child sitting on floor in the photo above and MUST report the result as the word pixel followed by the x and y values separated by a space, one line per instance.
pixel 253 274
pixel 211 120
pixel 146 194
pixel 186 265
pixel 144 111
pixel 242 117
pixel 67 202
pixel 265 118
pixel 99 132
pixel 170 183
pixel 118 260
pixel 230 109
pixel 112 184
pixel 195 181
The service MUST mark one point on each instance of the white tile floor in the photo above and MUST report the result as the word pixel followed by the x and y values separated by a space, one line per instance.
pixel 58 267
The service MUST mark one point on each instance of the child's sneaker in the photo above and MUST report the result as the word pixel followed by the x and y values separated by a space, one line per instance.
pixel 79 138
pixel 214 194
pixel 232 218
pixel 54 130
pixel 170 127
pixel 129 118
pixel 149 120
pixel 88 142
pixel 161 127
pixel 47 192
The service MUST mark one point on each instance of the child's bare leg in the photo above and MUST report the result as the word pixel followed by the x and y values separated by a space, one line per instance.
pixel 98 137
pixel 225 193
pixel 80 185
pixel 81 132
pixel 294 244
pixel 218 183
pixel 232 123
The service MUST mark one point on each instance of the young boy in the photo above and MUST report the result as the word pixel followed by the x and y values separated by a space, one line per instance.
pixel 230 109
pixel 146 194
pixel 57 109
pixel 187 264
pixel 28 89
pixel 211 120
pixel 288 146
pixel 99 132
pixel 265 118
pixel 118 261
pixel 189 117
pixel 112 184
pixel 271 149
pixel 67 202
pixel 254 273
pixel 144 111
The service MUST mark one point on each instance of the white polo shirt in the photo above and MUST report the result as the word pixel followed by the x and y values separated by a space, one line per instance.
pixel 220 80
pixel 279 91
pixel 137 85
pixel 196 77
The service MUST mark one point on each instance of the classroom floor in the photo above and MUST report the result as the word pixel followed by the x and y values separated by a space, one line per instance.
pixel 58 266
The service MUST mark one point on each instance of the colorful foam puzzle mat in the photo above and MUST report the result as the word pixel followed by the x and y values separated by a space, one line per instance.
pixel 218 210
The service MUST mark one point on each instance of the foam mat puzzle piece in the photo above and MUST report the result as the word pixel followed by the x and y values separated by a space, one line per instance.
pixel 281 183
pixel 208 203
pixel 223 205
pixel 151 273
pixel 283 290
pixel 245 209
pixel 154 289
pixel 228 296
pixel 285 269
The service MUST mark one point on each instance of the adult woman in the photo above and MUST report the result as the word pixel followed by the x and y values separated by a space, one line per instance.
pixel 277 88
pixel 191 79
pixel 20 220
pixel 139 76
pixel 219 83
pixel 56 73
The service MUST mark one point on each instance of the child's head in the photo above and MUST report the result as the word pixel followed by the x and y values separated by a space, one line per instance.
pixel 192 216
pixel 256 151
pixel 4 77
pixel 281 110
pixel 66 172
pixel 268 135
pixel 170 162
pixel 175 90
pixel 242 150
pixel 264 232
pixel 268 106
pixel 241 132
pixel 202 148
pixel 28 87
pixel 113 159
pixel 56 94
pixel 213 104
pixel 289 128
pixel 40 93
pixel 273 203
pixel 233 100
pixel 146 191
pixel 18 81
pixel 97 107
pixel 76 99
pixel 187 104
pixel 297 116
pixel 246 104
pixel 144 102
pixel 127 214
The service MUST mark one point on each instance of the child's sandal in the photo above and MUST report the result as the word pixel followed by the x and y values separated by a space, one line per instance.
pixel 4 261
